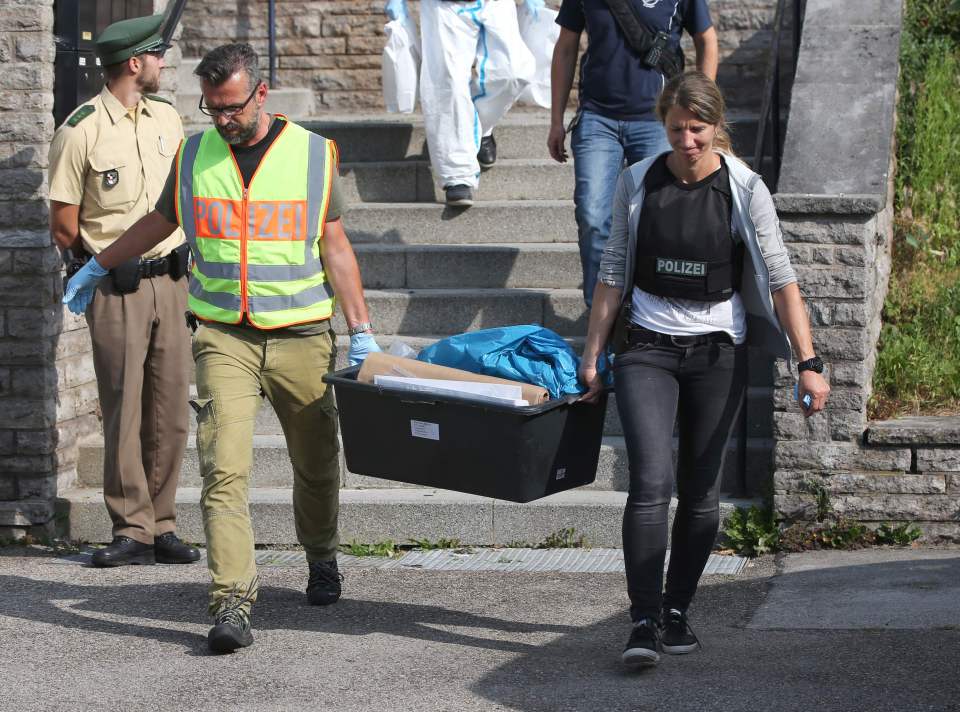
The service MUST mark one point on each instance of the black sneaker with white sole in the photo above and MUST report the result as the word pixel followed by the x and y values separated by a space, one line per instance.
pixel 641 648
pixel 459 195
pixel 677 637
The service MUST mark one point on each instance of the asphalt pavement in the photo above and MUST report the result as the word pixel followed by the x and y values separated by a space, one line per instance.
pixel 869 630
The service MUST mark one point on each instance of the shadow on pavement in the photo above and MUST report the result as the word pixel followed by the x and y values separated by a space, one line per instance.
pixel 161 612
pixel 745 666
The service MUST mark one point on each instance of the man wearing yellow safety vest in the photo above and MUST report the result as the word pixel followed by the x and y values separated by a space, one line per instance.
pixel 258 201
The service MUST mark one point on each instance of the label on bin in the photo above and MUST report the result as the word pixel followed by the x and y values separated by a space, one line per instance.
pixel 423 429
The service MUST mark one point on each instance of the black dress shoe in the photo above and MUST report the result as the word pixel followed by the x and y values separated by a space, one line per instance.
pixel 487 155
pixel 122 551
pixel 170 550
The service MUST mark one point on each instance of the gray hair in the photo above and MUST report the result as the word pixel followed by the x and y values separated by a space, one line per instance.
pixel 223 62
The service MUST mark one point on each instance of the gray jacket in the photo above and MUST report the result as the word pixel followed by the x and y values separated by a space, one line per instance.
pixel 766 267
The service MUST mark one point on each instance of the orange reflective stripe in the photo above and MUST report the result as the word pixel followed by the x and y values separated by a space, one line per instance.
pixel 278 220
pixel 218 218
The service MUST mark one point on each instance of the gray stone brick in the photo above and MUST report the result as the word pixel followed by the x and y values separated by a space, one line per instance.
pixel 8 487
pixel 940 459
pixel 7 443
pixel 916 430
pixel 879 507
pixel 27 464
pixel 819 282
pixel 27 413
pixel 827 229
pixel 953 483
pixel 847 426
pixel 43 486
pixel 800 481
pixel 800 455
pixel 35 382
pixel 28 290
pixel 14 352
pixel 25 512
pixel 35 323
pixel 36 442
pixel 37 261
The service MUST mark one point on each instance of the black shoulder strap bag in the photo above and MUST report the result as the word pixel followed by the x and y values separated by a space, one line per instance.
pixel 653 47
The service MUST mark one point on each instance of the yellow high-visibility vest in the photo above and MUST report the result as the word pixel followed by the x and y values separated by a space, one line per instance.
pixel 256 251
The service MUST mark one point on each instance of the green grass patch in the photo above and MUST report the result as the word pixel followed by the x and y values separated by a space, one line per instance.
pixel 918 361
pixel 383 548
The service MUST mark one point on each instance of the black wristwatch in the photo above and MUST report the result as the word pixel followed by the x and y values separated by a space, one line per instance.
pixel 814 364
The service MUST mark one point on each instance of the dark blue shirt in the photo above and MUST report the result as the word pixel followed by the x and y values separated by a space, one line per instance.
pixel 614 81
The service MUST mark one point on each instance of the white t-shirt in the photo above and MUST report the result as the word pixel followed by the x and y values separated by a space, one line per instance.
pixel 681 317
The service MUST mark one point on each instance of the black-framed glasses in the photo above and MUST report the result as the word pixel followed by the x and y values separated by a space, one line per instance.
pixel 228 111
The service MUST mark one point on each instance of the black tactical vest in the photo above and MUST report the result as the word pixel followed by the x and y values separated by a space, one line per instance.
pixel 686 247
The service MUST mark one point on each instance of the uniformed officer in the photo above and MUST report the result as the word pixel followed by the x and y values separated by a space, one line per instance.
pixel 108 164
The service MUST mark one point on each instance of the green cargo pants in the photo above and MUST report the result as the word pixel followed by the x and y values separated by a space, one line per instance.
pixel 236 367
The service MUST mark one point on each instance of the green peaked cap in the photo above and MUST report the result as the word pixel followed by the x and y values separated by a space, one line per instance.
pixel 128 38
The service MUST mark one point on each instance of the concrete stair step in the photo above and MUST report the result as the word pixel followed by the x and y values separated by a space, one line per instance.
pixel 412 181
pixel 396 514
pixel 289 102
pixel 488 221
pixel 470 266
pixel 418 312
pixel 272 468
pixel 385 137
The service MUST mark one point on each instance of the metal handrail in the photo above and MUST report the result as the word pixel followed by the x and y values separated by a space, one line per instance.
pixel 770 106
pixel 272 28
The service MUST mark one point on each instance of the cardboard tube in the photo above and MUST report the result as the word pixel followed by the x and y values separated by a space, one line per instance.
pixel 381 364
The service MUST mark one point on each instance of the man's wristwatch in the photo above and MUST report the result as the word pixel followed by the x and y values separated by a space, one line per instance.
pixel 360 328
pixel 814 364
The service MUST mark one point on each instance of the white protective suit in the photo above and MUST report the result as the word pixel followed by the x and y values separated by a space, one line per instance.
pixel 457 108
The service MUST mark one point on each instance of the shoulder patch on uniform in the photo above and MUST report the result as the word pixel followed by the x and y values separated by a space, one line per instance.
pixel 156 97
pixel 80 114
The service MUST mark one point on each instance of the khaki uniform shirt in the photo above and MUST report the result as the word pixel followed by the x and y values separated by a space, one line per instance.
pixel 114 166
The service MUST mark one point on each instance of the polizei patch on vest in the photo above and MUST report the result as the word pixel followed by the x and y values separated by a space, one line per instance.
pixel 681 268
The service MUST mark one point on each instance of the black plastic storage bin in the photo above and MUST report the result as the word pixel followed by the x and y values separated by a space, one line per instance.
pixel 516 454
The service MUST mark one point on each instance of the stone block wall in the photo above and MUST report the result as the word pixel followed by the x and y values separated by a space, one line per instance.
pixel 334 46
pixel 48 394
pixel 836 209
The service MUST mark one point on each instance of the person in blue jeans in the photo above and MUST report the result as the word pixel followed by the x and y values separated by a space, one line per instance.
pixel 616 121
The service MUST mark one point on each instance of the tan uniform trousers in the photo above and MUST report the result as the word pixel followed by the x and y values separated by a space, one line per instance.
pixel 236 367
pixel 141 354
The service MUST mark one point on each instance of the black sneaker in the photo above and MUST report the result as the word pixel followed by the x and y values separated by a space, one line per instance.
pixel 642 647
pixel 231 626
pixel 123 551
pixel 459 195
pixel 324 587
pixel 170 550
pixel 677 637
pixel 487 155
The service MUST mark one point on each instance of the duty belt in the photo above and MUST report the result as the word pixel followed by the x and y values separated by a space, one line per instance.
pixel 156 267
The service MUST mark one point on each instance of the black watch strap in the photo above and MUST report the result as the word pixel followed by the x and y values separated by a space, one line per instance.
pixel 811 364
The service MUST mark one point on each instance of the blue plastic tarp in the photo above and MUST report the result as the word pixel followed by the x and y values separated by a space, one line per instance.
pixel 527 353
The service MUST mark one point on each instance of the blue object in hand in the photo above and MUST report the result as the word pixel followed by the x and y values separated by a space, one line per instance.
pixel 396 9
pixel 807 399
pixel 361 346
pixel 80 288
pixel 533 7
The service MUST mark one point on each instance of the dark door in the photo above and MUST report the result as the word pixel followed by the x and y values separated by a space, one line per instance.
pixel 78 75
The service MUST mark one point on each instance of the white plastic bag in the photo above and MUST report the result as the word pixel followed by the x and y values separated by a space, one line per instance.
pixel 401 66
pixel 540 34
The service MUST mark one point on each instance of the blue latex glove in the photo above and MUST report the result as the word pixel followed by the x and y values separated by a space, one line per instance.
pixel 533 7
pixel 80 288
pixel 361 346
pixel 397 9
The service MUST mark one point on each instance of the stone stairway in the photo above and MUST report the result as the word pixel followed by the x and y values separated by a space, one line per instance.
pixel 431 271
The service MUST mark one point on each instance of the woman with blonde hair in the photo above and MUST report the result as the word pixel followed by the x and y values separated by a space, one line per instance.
pixel 694 270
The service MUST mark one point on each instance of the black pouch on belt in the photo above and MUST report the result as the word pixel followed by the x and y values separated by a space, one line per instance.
pixel 126 276
pixel 179 262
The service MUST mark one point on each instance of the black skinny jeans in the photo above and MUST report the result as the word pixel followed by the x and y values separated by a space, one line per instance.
pixel 702 387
